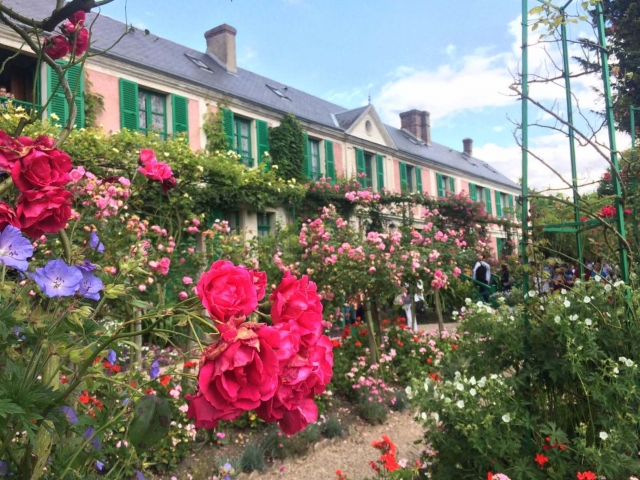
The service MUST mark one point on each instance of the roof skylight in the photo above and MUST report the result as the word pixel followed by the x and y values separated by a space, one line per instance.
pixel 199 63
pixel 278 92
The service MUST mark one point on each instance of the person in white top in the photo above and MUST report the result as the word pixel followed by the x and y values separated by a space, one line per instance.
pixel 482 273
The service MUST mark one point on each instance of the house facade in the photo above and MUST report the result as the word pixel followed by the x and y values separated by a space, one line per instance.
pixel 152 84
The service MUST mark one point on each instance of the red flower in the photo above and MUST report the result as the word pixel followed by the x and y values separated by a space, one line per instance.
pixel 400 344
pixel 154 170
pixel 588 475
pixel 84 398
pixel 164 380
pixel 627 211
pixel 608 211
pixel 7 217
pixel 56 47
pixel 607 176
pixel 340 475
pixel 10 151
pixel 237 373
pixel 358 344
pixel 541 459
pixel 42 167
pixel 336 343
pixel 454 346
pixel 489 476
pixel 434 376
pixel 389 462
pixel 190 364
pixel 227 291
pixel 429 360
pixel 81 41
pixel 78 18
pixel 43 211
pixel 298 300
pixel 260 282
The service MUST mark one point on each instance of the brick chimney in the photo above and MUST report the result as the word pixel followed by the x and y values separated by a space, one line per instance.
pixel 221 43
pixel 467 146
pixel 418 123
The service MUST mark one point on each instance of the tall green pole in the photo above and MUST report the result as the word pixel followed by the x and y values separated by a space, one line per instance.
pixel 632 114
pixel 617 188
pixel 572 139
pixel 634 181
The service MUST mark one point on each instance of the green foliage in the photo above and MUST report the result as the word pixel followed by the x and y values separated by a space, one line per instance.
pixel 371 411
pixel 213 128
pixel 252 458
pixel 332 428
pixel 93 104
pixel 287 149
pixel 400 402
pixel 150 422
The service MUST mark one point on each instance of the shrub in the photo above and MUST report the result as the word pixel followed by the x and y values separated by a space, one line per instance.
pixel 370 409
pixel 252 458
pixel 399 402
pixel 332 428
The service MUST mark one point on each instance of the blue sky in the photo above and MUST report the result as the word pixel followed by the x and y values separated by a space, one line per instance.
pixel 453 58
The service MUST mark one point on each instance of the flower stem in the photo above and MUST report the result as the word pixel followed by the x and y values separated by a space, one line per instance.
pixel 66 245
pixel 6 185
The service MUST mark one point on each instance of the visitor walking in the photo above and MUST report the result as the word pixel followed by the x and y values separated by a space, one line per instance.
pixel 506 279
pixel 406 303
pixel 482 274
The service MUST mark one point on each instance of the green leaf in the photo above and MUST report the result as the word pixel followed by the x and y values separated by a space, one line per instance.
pixel 150 423
pixel 7 407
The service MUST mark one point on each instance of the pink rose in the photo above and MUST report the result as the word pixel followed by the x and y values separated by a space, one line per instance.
pixel 56 47
pixel 237 373
pixel 187 280
pixel 43 211
pixel 162 266
pixel 227 291
pixel 183 295
pixel 456 272
pixel 298 300
pixel 260 282
pixel 81 41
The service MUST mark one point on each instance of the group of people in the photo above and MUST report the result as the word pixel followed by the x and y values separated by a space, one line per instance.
pixel 4 93
pixel 559 276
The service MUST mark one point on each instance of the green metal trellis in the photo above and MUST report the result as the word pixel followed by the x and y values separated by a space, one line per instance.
pixel 576 227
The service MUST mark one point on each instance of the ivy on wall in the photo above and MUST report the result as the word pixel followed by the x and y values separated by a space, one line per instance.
pixel 287 148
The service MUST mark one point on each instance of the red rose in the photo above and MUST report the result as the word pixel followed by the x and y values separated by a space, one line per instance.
pixel 78 18
pixel 237 373
pixel 10 151
pixel 56 47
pixel 151 168
pixel 43 142
pixel 260 282
pixel 168 184
pixel 43 211
pixel 81 41
pixel 42 168
pixel 607 176
pixel 7 217
pixel 227 291
pixel 298 300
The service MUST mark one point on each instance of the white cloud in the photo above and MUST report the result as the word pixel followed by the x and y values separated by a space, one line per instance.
pixel 356 97
pixel 450 50
pixel 498 128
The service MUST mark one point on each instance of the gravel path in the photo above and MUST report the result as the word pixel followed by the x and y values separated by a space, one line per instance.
pixel 352 454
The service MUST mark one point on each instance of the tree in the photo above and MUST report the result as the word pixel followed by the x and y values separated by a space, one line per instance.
pixel 287 149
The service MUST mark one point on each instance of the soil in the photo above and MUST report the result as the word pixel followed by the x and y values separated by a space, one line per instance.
pixel 353 453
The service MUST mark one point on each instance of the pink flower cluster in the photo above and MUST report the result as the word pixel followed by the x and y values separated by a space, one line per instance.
pixel 107 196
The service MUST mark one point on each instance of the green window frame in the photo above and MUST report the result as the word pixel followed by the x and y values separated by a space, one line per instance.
pixel 499 247
pixel 499 212
pixel 411 184
pixel 152 112
pixel 361 168
pixel 262 137
pixel 473 192
pixel 368 170
pixel 329 160
pixel 441 185
pixel 379 172
pixel 488 204
pixel 314 159
pixel 264 224
pixel 242 140
pixel 404 184
pixel 419 180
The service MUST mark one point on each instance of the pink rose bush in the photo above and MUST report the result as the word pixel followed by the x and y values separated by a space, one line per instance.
pixel 275 370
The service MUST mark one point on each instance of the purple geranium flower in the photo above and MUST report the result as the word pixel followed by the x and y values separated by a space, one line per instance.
pixel 87 266
pixel 99 465
pixel 57 279
pixel 90 285
pixel 71 414
pixel 111 357
pixel 14 248
pixel 139 475
pixel 95 243
pixel 95 441
pixel 3 468
pixel 155 370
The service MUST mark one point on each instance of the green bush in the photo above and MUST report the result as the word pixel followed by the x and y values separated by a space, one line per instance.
pixel 252 459
pixel 332 428
pixel 371 411
pixel 399 402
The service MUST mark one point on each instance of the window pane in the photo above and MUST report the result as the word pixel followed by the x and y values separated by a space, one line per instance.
pixel 157 122
pixel 244 129
pixel 157 104
pixel 142 100
pixel 244 146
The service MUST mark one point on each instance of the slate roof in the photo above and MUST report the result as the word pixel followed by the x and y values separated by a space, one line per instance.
pixel 170 58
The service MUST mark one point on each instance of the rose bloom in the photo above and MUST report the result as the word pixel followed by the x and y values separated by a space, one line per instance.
pixel 81 41
pixel 43 211
pixel 56 47
pixel 10 151
pixel 227 291
pixel 42 167
pixel 237 374
pixel 7 216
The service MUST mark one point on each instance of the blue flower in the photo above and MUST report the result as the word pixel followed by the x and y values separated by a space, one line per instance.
pixel 17 332
pixel 3 468
pixel 88 433
pixel 71 414
pixel 95 243
pixel 111 357
pixel 57 279
pixel 90 285
pixel 155 370
pixel 14 248
pixel 139 475
pixel 87 266
pixel 99 465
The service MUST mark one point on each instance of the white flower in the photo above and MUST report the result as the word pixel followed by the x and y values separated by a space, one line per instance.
pixel 622 359
pixel 408 390
pixel 479 304
pixel 473 392
pixel 588 322
pixel 436 416
pixel 567 303
pixel 573 318
pixel 532 293
pixel 455 313
pixel 604 435
pixel 607 287
pixel 616 371
pixel 460 387
pixel 506 418
pixel 482 382
pixel 460 403
pixel 587 299
pixel 557 319
pixel 542 307
pixel 563 291
pixel 447 400
pixel 472 380
pixel 597 278
pixel 54 117
pixel 426 384
pixel 423 415
pixel 629 363
pixel 468 301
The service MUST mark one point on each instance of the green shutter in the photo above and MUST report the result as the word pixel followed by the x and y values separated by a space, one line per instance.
pixel 360 167
pixel 380 171
pixel 58 103
pixel 452 185
pixel 306 167
pixel 75 77
pixel 499 246
pixel 473 193
pixel 216 214
pixel 228 120
pixel 440 184
pixel 487 196
pixel 404 184
pixel 329 161
pixel 498 204
pixel 510 200
pixel 128 104
pixel 180 114
pixel 419 180
pixel 262 135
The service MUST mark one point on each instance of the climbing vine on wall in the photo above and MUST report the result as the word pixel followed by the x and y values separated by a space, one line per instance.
pixel 287 148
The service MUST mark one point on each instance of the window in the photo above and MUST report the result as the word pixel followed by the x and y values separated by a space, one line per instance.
pixel 499 247
pixel 480 194
pixel 504 203
pixel 264 224
pixel 278 92
pixel 198 62
pixel 233 219
pixel 152 112
pixel 242 133
pixel 314 159
pixel 368 170
pixel 411 172
pixel 446 185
